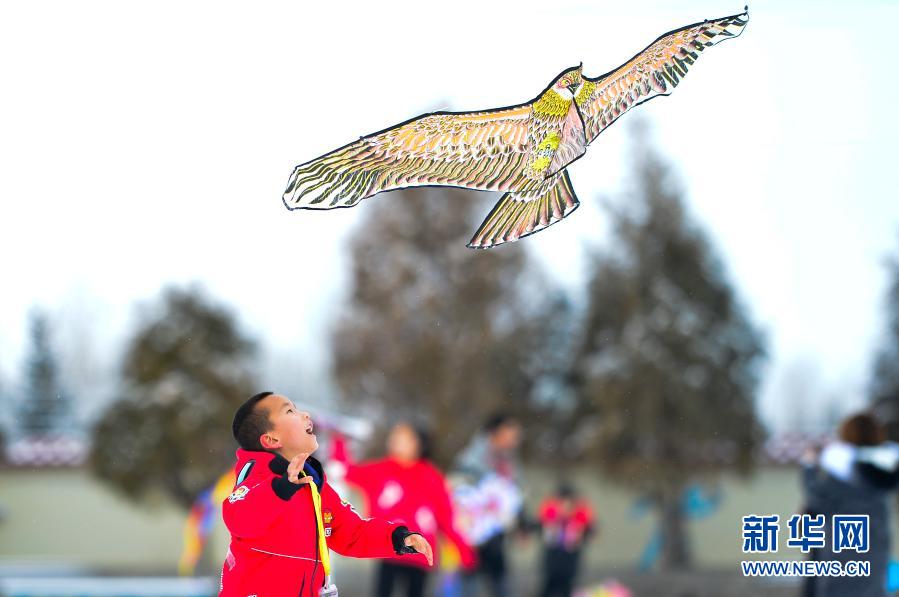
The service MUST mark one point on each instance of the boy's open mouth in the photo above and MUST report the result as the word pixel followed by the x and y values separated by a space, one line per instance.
pixel 309 428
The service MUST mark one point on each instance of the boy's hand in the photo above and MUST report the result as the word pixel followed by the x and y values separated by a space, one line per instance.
pixel 421 545
pixel 295 468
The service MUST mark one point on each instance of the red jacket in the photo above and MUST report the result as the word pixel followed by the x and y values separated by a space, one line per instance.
pixel 415 495
pixel 566 527
pixel 273 551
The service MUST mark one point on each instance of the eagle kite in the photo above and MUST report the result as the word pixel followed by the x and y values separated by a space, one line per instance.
pixel 522 150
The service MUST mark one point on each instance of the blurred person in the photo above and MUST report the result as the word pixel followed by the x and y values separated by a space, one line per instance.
pixel 283 515
pixel 407 488
pixel 489 499
pixel 854 475
pixel 567 522
pixel 810 458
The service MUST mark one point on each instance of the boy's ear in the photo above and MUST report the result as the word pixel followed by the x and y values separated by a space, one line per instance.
pixel 269 443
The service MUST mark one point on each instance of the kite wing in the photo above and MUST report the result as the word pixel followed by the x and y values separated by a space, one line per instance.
pixel 477 150
pixel 653 72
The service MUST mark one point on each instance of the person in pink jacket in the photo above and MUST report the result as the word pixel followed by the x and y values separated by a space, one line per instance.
pixel 407 488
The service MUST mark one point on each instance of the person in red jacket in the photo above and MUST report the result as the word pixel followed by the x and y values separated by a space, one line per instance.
pixel 283 515
pixel 567 523
pixel 407 488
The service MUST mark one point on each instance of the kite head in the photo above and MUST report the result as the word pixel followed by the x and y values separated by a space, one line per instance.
pixel 568 83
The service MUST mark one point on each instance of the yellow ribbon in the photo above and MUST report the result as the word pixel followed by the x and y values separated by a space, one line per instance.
pixel 323 552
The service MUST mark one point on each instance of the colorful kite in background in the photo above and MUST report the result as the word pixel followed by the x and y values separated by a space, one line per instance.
pixel 202 517
pixel 696 503
pixel 610 588
pixel 522 150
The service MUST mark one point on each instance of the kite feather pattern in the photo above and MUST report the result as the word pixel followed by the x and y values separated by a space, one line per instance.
pixel 522 151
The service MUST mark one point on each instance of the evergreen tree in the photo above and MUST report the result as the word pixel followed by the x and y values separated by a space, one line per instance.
pixel 885 378
pixel 668 367
pixel 4 432
pixel 184 375
pixel 45 408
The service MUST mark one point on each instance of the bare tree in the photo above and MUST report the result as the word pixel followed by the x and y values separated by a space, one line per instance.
pixel 435 331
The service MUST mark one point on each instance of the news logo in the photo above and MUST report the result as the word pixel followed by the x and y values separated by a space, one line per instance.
pixel 848 532
pixel 760 533
pixel 806 532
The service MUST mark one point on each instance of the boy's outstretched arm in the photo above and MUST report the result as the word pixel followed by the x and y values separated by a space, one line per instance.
pixel 357 537
pixel 365 476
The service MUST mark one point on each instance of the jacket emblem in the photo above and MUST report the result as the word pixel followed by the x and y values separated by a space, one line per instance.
pixel 239 494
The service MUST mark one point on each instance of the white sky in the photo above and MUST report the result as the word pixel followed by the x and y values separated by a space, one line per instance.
pixel 148 143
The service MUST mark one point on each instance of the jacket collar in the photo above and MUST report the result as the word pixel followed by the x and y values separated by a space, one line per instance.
pixel 278 464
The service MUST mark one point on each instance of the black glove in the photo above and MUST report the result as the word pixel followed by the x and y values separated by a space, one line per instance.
pixel 282 486
pixel 399 541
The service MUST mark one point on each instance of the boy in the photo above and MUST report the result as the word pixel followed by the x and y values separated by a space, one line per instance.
pixel 283 516
pixel 568 522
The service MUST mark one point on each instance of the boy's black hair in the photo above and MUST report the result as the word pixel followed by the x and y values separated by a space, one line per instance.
pixel 250 423
pixel 497 420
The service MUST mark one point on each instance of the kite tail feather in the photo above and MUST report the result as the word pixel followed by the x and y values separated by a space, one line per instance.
pixel 513 218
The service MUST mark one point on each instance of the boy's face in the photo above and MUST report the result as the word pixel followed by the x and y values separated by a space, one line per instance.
pixel 291 431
